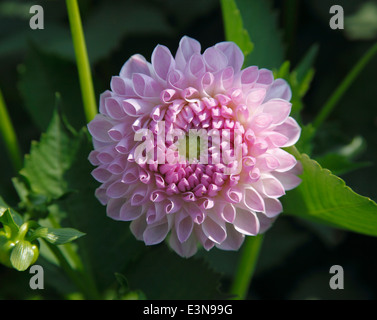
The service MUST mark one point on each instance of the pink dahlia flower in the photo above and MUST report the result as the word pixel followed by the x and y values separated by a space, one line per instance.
pixel 189 147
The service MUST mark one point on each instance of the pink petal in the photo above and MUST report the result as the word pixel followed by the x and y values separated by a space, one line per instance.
pixel 215 231
pixel 122 87
pixel 136 107
pixel 272 187
pixel 99 128
pixel 291 130
pixel 118 165
pixel 196 66
pixel 117 190
pixel 286 160
pixel 187 47
pixel 233 53
pixel 101 174
pixel 249 76
pixel 138 226
pixel 264 222
pixel 288 179
pixel 140 195
pixel 273 207
pixel 280 89
pixel 156 233
pixel 265 77
pixel 183 226
pixel 185 249
pixel 246 222
pixel 215 59
pixel 114 108
pixel 136 64
pixel 278 109
pixel 146 87
pixel 118 131
pixel 233 240
pixel 129 212
pixel 162 61
pixel 253 200
pixel 113 208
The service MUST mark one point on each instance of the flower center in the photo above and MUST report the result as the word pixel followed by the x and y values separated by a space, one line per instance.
pixel 196 140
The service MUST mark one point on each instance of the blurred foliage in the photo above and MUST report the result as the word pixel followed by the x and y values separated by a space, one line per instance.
pixel 296 255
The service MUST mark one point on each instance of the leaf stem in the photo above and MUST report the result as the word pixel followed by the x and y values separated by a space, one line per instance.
pixel 9 136
pixel 342 88
pixel 83 66
pixel 246 267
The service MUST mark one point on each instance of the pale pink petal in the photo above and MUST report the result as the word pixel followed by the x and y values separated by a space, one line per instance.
pixel 233 240
pixel 183 225
pixel 215 231
pixel 138 226
pixel 291 130
pixel 129 213
pixel 99 128
pixel 280 89
pixel 162 61
pixel 278 109
pixel 113 208
pixel 136 64
pixel 156 233
pixel 288 179
pixel 187 47
pixel 215 59
pixel 246 222
pixel 185 249
pixel 146 87
pixel 253 200
pixel 233 53
pixel 273 207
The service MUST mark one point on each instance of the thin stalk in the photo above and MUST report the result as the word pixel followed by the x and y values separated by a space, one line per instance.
pixel 9 136
pixel 85 276
pixel 83 66
pixel 344 85
pixel 246 267
pixel 72 274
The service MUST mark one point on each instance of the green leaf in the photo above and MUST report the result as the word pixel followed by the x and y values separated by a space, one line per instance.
pixel 324 197
pixel 234 30
pixel 162 274
pixel 9 217
pixel 306 63
pixel 57 235
pixel 262 25
pixel 339 164
pixel 22 255
pixel 50 158
pixel 109 245
pixel 41 77
pixel 341 160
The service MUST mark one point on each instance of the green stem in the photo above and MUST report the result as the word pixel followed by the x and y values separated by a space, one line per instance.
pixel 82 60
pixel 9 136
pixel 72 274
pixel 246 267
pixel 85 275
pixel 342 88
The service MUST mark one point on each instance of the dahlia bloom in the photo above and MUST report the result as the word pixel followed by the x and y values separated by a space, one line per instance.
pixel 154 172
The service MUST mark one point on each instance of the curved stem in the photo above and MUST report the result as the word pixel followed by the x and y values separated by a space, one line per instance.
pixel 337 95
pixel 9 136
pixel 82 60
pixel 246 267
